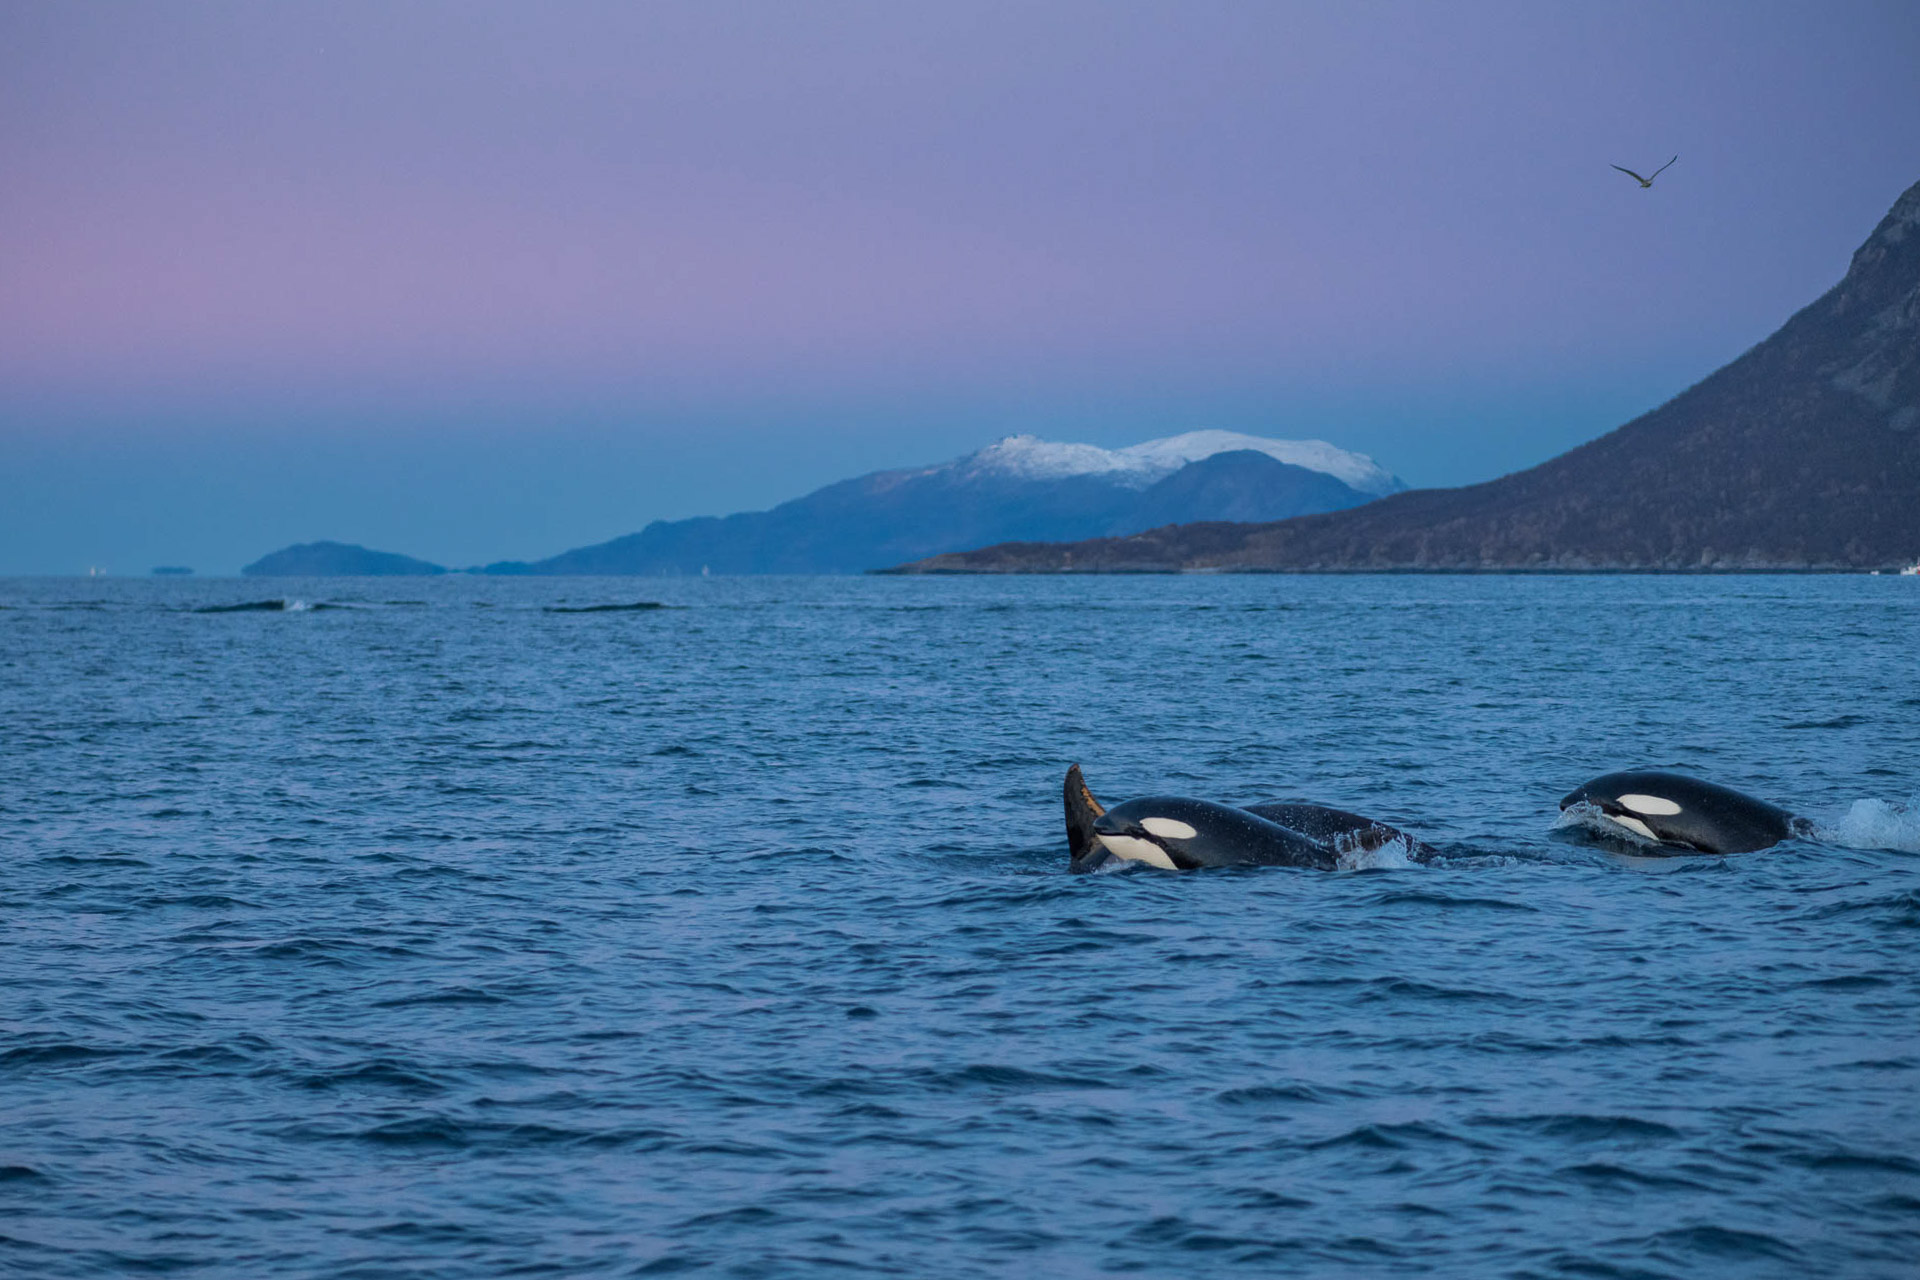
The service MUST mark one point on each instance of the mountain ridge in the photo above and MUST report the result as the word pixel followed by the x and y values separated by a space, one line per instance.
pixel 1801 454
pixel 1017 487
pixel 1020 486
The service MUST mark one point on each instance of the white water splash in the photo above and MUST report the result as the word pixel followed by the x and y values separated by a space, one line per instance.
pixel 1394 854
pixel 1590 817
pixel 1875 824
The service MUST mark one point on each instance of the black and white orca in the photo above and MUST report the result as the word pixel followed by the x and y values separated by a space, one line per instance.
pixel 1685 814
pixel 1175 833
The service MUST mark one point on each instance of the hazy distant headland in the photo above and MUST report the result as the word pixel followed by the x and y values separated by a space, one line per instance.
pixel 336 560
pixel 1803 454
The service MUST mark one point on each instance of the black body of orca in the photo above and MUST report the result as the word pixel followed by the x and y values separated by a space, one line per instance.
pixel 1685 814
pixel 1175 833
pixel 1345 832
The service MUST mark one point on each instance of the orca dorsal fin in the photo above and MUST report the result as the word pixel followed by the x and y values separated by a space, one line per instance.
pixel 1082 810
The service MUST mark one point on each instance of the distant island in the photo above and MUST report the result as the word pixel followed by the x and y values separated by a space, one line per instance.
pixel 1801 455
pixel 172 571
pixel 336 560
pixel 1018 487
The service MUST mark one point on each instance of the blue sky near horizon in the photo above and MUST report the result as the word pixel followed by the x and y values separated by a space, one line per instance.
pixel 481 280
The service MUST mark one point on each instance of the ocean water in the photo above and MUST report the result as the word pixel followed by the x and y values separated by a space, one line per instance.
pixel 423 929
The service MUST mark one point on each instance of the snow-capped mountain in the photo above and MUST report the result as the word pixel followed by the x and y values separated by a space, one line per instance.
pixel 1018 488
pixel 1137 466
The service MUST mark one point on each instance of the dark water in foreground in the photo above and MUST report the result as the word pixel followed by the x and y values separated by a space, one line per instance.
pixel 443 935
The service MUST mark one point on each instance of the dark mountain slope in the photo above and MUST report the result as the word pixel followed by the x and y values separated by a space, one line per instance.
pixel 1804 453
pixel 1241 485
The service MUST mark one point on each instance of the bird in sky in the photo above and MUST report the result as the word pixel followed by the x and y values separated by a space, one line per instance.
pixel 1648 180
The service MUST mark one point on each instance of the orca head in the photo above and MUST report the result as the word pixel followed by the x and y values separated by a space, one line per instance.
pixel 1680 812
pixel 1634 802
pixel 1156 830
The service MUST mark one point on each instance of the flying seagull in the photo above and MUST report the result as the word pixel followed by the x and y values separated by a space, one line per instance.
pixel 1648 180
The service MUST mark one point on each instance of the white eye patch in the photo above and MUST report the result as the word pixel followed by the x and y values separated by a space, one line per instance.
pixel 1138 851
pixel 1167 828
pixel 1659 806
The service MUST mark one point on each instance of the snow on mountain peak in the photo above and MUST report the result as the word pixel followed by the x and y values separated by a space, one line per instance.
pixel 1031 458
pixel 1137 466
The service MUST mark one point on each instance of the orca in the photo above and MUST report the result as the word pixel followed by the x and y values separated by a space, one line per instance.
pixel 1176 833
pixel 1685 814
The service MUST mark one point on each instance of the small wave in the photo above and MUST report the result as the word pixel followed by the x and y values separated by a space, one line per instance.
pixel 198 1058
pixel 205 901
pixel 1900 909
pixel 1869 1162
pixel 1263 1198
pixel 1895 1202
pixel 1837 722
pixel 1577 1127
pixel 637 606
pixel 54 1055
pixel 1601 1173
pixel 731 1219
pixel 1270 1095
pixel 1398 987
pixel 1435 898
pixel 998 1076
pixel 1724 1243
pixel 1875 824
pixel 453 995
pixel 433 1132
pixel 285 605
pixel 1848 982
pixel 426 1233
pixel 376 1073
pixel 1396 1137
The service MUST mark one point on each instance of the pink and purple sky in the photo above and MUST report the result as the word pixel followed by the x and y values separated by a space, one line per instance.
pixel 481 280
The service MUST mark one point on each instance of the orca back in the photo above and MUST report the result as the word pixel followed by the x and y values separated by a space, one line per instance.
pixel 1342 831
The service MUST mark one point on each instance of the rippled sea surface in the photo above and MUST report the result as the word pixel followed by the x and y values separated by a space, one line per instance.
pixel 440 933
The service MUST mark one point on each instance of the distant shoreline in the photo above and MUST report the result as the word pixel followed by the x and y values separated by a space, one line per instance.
pixel 1396 571
pixel 1891 571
